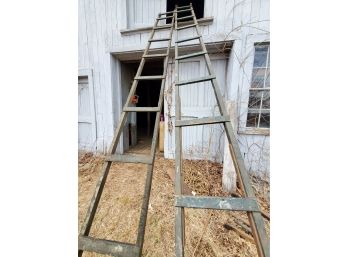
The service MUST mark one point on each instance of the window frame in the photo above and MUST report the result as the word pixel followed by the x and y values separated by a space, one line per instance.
pixel 259 110
pixel 246 81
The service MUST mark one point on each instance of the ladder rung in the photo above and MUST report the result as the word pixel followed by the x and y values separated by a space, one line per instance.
pixel 218 203
pixel 159 39
pixel 139 158
pixel 187 39
pixel 201 121
pixel 186 10
pixel 162 27
pixel 186 27
pixel 190 55
pixel 163 18
pixel 184 18
pixel 108 247
pixel 154 55
pixel 141 109
pixel 182 7
pixel 150 77
pixel 191 81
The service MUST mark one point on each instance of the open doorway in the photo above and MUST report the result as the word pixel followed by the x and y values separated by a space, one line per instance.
pixel 138 130
pixel 198 7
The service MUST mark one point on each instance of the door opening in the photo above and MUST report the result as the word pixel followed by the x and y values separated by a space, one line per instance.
pixel 138 131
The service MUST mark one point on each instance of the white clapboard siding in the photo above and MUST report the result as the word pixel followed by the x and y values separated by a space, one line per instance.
pixel 197 101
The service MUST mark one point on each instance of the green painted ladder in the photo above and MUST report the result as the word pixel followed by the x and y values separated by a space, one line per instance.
pixel 114 248
pixel 249 203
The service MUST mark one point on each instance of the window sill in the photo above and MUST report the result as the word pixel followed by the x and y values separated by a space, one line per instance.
pixel 202 22
pixel 255 131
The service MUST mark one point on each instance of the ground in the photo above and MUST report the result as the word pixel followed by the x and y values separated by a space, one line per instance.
pixel 208 232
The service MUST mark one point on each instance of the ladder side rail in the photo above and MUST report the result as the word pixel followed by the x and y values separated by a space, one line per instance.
pixel 179 211
pixel 255 218
pixel 106 167
pixel 147 190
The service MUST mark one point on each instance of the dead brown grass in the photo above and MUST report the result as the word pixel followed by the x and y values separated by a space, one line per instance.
pixel 119 209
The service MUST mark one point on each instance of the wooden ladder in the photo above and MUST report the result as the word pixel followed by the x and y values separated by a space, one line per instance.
pixel 249 202
pixel 114 248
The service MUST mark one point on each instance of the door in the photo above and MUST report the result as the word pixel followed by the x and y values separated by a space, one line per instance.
pixel 86 114
pixel 197 101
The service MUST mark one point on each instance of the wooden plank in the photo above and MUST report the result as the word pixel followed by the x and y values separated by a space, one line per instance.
pixel 179 11
pixel 149 77
pixel 192 81
pixel 154 56
pixel 138 158
pixel 186 56
pixel 218 203
pixel 141 109
pixel 159 27
pixel 186 27
pixel 179 211
pixel 159 39
pixel 201 121
pixel 188 39
pixel 163 18
pixel 108 247
pixel 183 7
pixel 185 17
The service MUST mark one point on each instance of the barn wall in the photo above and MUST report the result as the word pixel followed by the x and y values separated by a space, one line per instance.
pixel 104 30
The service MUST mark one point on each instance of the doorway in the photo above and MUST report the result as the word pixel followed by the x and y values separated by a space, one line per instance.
pixel 138 130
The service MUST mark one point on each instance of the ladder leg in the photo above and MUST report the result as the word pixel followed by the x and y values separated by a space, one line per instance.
pixel 255 218
pixel 179 211
pixel 106 167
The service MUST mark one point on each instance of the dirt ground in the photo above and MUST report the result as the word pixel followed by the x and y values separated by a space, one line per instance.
pixel 208 232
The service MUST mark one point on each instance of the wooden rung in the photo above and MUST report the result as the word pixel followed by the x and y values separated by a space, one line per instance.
pixel 182 7
pixel 141 109
pixel 108 247
pixel 186 27
pixel 163 18
pixel 139 158
pixel 218 203
pixel 187 39
pixel 155 55
pixel 159 39
pixel 201 121
pixel 150 77
pixel 186 10
pixel 184 18
pixel 192 81
pixel 162 27
pixel 190 55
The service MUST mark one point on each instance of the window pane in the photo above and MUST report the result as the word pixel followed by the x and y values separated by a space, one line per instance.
pixel 258 77
pixel 254 99
pixel 266 100
pixel 252 119
pixel 265 120
pixel 260 58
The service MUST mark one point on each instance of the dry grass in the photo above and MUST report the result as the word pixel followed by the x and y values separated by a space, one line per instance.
pixel 119 209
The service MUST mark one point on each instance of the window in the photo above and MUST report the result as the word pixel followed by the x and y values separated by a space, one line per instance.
pixel 259 94
pixel 198 7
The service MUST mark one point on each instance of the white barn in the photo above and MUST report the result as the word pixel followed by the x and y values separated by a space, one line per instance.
pixel 112 37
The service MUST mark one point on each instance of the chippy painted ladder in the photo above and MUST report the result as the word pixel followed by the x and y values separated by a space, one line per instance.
pixel 115 248
pixel 249 203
